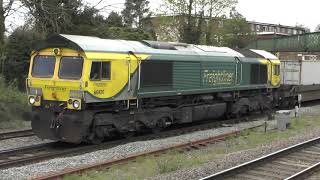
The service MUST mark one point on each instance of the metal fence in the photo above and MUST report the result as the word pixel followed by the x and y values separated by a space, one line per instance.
pixel 309 42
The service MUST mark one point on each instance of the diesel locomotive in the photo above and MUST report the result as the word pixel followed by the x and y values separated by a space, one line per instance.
pixel 86 89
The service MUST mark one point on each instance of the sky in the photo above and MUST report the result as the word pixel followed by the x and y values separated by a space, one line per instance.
pixel 285 12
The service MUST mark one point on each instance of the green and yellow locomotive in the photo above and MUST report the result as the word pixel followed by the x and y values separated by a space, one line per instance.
pixel 87 89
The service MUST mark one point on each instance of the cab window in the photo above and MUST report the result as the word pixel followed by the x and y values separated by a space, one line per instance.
pixel 70 67
pixel 43 66
pixel 100 71
pixel 276 70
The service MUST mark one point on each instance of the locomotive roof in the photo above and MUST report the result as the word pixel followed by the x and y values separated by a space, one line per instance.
pixel 95 44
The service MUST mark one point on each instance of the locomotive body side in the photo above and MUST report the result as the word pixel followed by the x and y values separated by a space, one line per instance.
pixel 204 74
pixel 86 88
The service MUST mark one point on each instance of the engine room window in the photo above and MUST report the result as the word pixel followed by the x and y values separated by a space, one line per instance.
pixel 259 74
pixel 70 68
pixel 100 70
pixel 43 66
pixel 276 70
pixel 156 74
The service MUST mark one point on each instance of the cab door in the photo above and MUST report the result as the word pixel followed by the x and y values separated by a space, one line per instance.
pixel 100 79
pixel 275 75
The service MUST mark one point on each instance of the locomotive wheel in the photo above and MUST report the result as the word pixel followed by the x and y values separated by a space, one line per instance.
pixel 97 140
pixel 129 134
pixel 94 139
pixel 244 110
pixel 141 128
pixel 157 130
pixel 160 126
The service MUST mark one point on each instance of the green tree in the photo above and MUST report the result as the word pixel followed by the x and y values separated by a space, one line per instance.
pixel 87 22
pixel 54 16
pixel 134 13
pixel 236 32
pixel 17 52
pixel 59 16
pixel 189 14
pixel 195 15
pixel 215 11
pixel 114 20
pixel 127 34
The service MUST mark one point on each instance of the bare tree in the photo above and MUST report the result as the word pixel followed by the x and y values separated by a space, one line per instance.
pixel 6 8
pixel 317 28
pixel 52 16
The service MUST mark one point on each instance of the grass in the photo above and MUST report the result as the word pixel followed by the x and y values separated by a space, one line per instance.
pixel 149 166
pixel 13 103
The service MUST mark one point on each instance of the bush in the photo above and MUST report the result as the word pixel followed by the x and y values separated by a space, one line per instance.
pixel 13 103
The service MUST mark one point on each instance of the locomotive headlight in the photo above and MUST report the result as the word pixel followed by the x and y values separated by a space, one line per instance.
pixel 76 104
pixel 57 51
pixel 32 100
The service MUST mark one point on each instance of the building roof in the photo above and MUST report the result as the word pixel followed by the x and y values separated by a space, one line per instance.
pixel 277 25
pixel 272 33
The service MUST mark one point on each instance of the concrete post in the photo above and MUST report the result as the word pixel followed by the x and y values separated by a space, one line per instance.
pixel 283 118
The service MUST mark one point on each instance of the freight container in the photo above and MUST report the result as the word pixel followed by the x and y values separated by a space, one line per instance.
pixel 300 72
pixel 300 77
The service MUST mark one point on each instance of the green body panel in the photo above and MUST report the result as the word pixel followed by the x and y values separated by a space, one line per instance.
pixel 186 75
pixel 204 74
pixel 246 73
pixel 218 74
pixel 160 93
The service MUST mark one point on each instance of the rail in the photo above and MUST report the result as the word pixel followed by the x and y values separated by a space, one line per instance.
pixel 16 134
pixel 285 166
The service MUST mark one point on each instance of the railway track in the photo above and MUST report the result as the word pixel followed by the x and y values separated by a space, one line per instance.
pixel 31 154
pixel 187 146
pixel 180 147
pixel 16 134
pixel 292 163
pixel 36 153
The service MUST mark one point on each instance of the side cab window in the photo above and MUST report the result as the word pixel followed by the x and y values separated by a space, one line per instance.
pixel 100 70
pixel 276 70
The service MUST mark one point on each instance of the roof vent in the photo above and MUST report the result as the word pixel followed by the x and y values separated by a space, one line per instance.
pixel 159 45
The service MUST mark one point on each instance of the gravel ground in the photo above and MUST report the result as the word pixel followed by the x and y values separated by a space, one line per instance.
pixel 21 142
pixel 234 159
pixel 18 125
pixel 237 158
pixel 59 164
pixel 315 176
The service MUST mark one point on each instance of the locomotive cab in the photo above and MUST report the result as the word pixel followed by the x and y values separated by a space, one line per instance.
pixel 273 64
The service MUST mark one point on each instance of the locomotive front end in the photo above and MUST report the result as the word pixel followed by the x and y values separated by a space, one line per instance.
pixel 56 94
